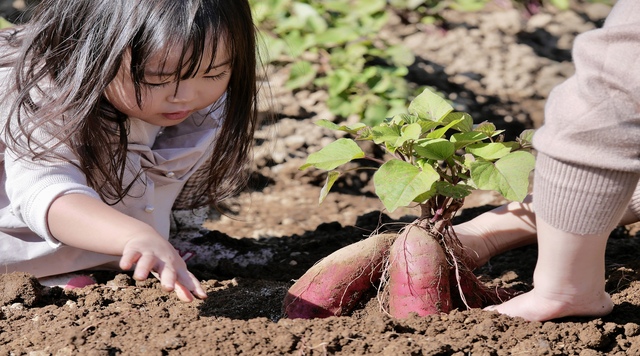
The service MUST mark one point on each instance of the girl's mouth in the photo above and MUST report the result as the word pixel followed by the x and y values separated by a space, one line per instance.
pixel 178 115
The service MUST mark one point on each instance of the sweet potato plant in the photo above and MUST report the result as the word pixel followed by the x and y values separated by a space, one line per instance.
pixel 435 157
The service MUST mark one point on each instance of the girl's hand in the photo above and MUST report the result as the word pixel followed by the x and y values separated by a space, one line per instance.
pixel 153 254
pixel 71 216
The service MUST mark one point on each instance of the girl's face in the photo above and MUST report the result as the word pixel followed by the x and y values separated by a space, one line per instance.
pixel 166 102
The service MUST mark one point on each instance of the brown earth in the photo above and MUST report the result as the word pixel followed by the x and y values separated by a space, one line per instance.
pixel 498 65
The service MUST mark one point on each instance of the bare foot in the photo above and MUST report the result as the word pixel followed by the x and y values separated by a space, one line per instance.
pixel 536 306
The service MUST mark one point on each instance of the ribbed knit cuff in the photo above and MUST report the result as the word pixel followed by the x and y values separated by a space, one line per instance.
pixel 580 199
pixel 634 204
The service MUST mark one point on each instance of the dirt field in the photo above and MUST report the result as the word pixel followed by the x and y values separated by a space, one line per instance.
pixel 498 65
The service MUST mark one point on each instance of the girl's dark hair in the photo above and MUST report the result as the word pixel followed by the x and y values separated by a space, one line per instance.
pixel 69 52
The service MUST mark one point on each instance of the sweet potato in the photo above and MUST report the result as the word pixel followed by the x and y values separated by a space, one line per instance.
pixel 334 286
pixel 418 280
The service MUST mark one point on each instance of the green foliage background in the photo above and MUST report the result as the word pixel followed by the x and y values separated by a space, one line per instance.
pixel 334 45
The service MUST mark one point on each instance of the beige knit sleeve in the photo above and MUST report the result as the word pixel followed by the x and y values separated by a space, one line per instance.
pixel 587 167
pixel 581 199
pixel 634 204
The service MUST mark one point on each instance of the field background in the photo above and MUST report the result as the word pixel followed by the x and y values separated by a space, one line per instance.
pixel 498 62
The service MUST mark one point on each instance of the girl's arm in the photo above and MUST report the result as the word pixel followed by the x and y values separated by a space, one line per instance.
pixel 84 222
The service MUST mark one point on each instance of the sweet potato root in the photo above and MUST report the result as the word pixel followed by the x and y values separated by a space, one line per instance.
pixel 333 286
pixel 421 273
pixel 418 280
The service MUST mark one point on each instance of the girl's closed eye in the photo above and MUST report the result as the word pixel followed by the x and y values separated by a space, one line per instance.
pixel 218 76
pixel 157 85
pixel 160 84
pixel 155 80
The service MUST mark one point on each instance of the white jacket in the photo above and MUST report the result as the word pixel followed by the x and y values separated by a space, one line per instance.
pixel 167 157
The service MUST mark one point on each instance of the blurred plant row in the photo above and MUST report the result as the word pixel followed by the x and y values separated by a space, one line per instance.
pixel 334 45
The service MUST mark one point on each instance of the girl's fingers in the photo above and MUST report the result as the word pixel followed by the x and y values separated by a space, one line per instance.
pixel 167 277
pixel 144 266
pixel 183 293
pixel 184 283
pixel 188 281
pixel 128 259
pixel 197 289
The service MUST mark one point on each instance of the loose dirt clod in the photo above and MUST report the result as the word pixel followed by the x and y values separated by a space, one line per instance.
pixel 19 287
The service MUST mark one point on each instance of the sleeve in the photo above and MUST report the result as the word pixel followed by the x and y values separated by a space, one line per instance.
pixel 634 204
pixel 588 149
pixel 32 186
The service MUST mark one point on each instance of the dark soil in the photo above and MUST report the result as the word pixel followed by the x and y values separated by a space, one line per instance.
pixel 499 65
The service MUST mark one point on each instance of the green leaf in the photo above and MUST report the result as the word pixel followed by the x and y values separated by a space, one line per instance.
pixel 508 176
pixel 337 6
pixel 380 84
pixel 298 43
pixel 375 113
pixel 270 48
pixel 443 130
pixel 309 16
pixel 466 138
pixel 332 176
pixel 386 134
pixel 560 4
pixel 489 151
pixel 335 154
pixel 302 74
pixel 339 81
pixel 403 118
pixel 464 122
pixel 525 138
pixel 426 195
pixel 352 129
pixel 409 132
pixel 401 55
pixel 488 129
pixel 398 183
pixel 438 149
pixel 336 36
pixel 369 7
pixel 4 23
pixel 469 5
pixel 429 106
pixel 458 191
pixel 428 125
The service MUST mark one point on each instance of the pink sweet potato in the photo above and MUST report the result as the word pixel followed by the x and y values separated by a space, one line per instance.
pixel 418 280
pixel 334 286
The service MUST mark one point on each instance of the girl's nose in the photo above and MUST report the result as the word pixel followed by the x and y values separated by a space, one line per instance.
pixel 183 93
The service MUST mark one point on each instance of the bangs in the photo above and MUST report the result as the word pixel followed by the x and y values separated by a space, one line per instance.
pixel 188 31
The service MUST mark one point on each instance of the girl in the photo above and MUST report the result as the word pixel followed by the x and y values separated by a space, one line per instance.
pixel 110 108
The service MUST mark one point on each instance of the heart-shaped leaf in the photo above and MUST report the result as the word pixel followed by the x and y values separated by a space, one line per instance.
pixel 398 183
pixel 335 154
pixel 508 176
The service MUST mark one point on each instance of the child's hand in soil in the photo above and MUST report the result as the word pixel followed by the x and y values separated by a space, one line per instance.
pixel 153 254
pixel 569 278
pixel 114 233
